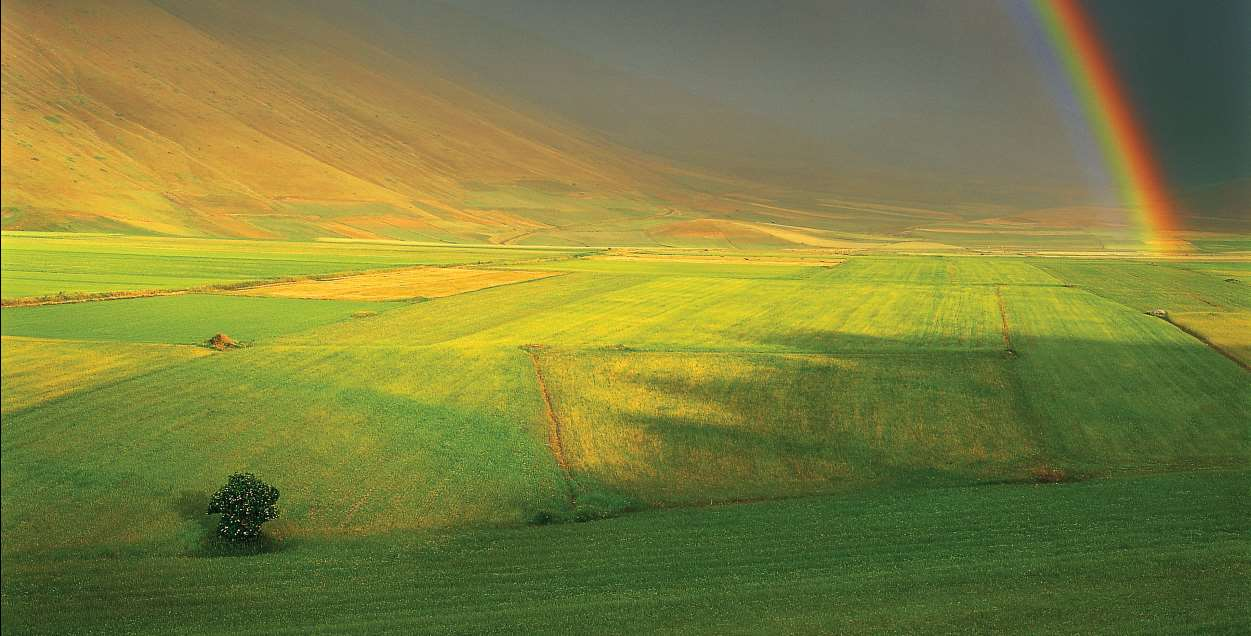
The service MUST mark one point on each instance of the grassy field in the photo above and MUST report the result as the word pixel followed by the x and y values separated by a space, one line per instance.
pixel 1158 554
pixel 1228 331
pixel 901 405
pixel 38 370
pixel 39 264
pixel 404 284
pixel 181 319
pixel 665 428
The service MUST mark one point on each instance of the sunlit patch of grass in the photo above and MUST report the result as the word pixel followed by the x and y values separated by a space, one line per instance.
pixel 404 284
pixel 38 370
pixel 675 428
pixel 1230 332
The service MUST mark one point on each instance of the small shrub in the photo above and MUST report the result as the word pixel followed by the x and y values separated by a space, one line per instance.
pixel 245 502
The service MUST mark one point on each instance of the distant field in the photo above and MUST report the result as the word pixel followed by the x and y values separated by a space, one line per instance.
pixel 180 319
pixel 37 264
pixel 1240 270
pixel 417 435
pixel 697 313
pixel 405 284
pixel 1147 286
pixel 704 268
pixel 720 259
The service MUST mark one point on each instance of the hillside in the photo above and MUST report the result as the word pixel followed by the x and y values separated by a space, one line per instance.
pixel 205 119
pixel 304 121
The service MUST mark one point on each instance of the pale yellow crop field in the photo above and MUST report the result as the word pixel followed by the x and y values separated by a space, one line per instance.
pixel 1230 332
pixel 405 284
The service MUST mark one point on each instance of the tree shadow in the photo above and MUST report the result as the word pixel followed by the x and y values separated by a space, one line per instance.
pixel 192 506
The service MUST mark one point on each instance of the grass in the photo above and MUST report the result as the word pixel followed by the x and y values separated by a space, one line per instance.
pixel 358 441
pixel 1164 554
pixel 1108 387
pixel 653 268
pixel 1147 286
pixel 944 271
pixel 698 314
pixel 181 319
pixel 666 429
pixel 422 282
pixel 410 441
pixel 38 264
pixel 1230 332
pixel 38 370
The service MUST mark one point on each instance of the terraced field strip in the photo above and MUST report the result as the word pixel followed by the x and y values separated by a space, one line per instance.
pixel 404 284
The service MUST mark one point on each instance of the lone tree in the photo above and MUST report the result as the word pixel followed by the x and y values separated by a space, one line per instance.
pixel 245 502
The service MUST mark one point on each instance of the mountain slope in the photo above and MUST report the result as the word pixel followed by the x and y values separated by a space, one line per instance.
pixel 222 119
pixel 301 120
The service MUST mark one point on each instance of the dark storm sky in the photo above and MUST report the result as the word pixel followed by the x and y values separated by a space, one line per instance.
pixel 939 87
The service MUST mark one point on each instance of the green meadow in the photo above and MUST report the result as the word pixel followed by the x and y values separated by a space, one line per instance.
pixel 48 263
pixel 886 443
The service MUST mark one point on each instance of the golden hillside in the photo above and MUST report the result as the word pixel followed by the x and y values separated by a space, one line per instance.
pixel 216 118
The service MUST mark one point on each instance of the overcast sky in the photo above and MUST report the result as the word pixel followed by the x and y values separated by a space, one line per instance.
pixel 940 85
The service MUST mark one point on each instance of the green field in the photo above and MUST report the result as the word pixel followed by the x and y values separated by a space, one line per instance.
pixel 791 447
pixel 1158 554
pixel 46 263
pixel 183 318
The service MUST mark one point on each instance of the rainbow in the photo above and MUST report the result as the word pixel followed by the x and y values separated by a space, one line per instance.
pixel 1125 147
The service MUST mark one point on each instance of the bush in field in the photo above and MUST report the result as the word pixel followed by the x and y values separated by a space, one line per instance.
pixel 245 502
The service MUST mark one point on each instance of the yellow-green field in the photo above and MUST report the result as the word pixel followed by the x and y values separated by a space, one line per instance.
pixel 877 415
pixel 36 264
pixel 404 284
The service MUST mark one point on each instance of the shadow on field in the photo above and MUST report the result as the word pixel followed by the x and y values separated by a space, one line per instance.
pixel 192 506
pixel 674 426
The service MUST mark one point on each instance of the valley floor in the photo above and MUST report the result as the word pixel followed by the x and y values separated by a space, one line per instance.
pixel 794 441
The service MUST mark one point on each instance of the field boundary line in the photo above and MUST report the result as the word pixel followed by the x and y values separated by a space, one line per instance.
pixel 555 434
pixel 1003 320
pixel 1211 345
